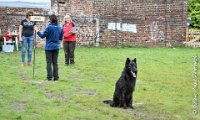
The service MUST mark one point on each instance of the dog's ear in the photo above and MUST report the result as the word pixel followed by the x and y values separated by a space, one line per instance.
pixel 128 61
pixel 135 60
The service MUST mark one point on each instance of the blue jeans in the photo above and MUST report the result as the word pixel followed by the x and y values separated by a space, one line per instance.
pixel 27 43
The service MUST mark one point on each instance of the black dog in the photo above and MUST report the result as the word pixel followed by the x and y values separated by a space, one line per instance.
pixel 125 86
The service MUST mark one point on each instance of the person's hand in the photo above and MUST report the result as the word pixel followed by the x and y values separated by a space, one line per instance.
pixel 72 32
pixel 20 39
pixel 36 28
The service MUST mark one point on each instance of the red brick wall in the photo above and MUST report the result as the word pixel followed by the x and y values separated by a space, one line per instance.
pixel 11 19
pixel 158 22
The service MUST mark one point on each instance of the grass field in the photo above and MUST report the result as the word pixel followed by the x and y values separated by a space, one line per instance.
pixel 164 89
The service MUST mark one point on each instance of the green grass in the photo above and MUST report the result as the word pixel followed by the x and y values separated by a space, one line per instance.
pixel 164 89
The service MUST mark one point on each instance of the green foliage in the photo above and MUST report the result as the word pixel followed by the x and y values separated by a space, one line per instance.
pixel 194 13
pixel 164 89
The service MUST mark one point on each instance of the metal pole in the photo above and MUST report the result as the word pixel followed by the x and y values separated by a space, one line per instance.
pixel 34 46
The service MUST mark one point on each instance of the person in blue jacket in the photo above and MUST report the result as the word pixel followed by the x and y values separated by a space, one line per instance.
pixel 54 35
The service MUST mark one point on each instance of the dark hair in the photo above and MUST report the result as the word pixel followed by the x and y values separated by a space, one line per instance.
pixel 53 19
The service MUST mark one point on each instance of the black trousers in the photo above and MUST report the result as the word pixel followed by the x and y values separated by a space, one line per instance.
pixel 52 61
pixel 69 48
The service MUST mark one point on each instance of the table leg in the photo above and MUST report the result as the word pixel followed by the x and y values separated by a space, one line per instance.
pixel 16 42
pixel 4 40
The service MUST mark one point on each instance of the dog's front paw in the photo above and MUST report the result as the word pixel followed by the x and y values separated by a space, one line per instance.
pixel 130 106
pixel 125 107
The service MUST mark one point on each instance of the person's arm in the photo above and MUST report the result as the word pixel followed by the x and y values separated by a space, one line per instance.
pixel 67 32
pixel 73 32
pixel 42 35
pixel 61 35
pixel 20 32
pixel 34 25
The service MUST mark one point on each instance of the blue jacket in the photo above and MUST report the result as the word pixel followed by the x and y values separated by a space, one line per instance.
pixel 53 34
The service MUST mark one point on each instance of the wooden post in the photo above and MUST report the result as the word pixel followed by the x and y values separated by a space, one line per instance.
pixel 41 19
pixel 187 31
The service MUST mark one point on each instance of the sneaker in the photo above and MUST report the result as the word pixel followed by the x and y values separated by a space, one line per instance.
pixel 29 64
pixel 22 64
pixel 72 64
pixel 49 79
pixel 55 79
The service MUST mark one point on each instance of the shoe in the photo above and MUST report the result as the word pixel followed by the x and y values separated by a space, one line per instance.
pixel 55 79
pixel 72 63
pixel 22 64
pixel 49 79
pixel 29 64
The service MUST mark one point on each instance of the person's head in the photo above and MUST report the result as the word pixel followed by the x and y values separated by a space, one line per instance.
pixel 67 19
pixel 53 19
pixel 29 14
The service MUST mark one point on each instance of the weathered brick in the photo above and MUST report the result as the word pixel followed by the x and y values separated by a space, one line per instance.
pixel 158 22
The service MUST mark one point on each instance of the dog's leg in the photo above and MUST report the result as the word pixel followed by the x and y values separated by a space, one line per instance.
pixel 116 100
pixel 129 101
pixel 123 100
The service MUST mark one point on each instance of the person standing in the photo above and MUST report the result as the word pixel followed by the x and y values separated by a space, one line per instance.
pixel 26 35
pixel 54 35
pixel 69 42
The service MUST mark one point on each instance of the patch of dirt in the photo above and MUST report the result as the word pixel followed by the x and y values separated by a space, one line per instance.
pixel 88 92
pixel 22 75
pixel 19 106
pixel 77 79
pixel 99 78
pixel 50 95
pixel 36 81
pixel 141 113
pixel 56 96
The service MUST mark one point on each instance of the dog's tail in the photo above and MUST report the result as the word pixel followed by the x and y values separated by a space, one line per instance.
pixel 108 102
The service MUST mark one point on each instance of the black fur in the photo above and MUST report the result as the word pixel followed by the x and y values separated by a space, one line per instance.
pixel 125 86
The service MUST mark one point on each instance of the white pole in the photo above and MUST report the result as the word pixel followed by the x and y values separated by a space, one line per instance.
pixel 97 32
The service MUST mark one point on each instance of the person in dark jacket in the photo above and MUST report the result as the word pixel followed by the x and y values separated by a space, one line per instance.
pixel 53 34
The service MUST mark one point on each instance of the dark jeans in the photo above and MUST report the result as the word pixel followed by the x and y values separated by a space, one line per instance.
pixel 52 59
pixel 69 48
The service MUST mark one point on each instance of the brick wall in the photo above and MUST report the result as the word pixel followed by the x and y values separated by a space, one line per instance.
pixel 157 22
pixel 12 17
pixel 139 22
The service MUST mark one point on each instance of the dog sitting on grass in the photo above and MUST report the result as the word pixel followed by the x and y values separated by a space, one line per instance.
pixel 125 86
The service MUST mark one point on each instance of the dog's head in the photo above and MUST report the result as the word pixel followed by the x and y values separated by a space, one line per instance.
pixel 131 67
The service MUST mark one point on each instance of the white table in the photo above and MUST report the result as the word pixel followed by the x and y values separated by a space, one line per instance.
pixel 5 42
